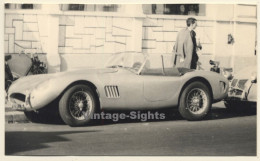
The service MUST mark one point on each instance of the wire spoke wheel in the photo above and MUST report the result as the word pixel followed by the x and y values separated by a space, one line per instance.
pixel 80 104
pixel 196 101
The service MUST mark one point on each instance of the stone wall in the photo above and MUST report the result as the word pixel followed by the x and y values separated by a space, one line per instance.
pixel 22 32
pixel 101 36
pixel 159 36
pixel 86 34
pixel 32 33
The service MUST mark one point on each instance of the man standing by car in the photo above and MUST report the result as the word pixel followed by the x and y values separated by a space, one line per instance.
pixel 185 48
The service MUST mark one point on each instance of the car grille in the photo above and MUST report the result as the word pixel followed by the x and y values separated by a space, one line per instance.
pixel 17 96
pixel 234 82
pixel 241 83
pixel 112 91
pixel 238 92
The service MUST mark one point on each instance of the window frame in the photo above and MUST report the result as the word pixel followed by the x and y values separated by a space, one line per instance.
pixel 19 6
pixel 92 7
pixel 162 11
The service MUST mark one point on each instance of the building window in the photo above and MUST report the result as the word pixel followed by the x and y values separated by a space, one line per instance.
pixel 22 6
pixel 175 9
pixel 27 6
pixel 7 6
pixel 90 7
pixel 76 7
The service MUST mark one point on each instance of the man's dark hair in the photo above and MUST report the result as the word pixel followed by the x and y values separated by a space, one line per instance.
pixel 190 21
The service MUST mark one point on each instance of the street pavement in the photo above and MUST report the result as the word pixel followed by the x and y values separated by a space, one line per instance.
pixel 222 134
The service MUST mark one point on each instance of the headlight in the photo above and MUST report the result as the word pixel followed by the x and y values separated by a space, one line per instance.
pixel 253 77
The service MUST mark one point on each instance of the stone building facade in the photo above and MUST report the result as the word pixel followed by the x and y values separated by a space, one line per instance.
pixel 86 35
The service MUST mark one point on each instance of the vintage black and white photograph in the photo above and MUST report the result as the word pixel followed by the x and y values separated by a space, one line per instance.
pixel 116 79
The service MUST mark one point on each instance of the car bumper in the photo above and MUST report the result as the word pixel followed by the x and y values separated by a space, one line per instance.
pixel 18 107
pixel 238 98
pixel 236 94
pixel 21 106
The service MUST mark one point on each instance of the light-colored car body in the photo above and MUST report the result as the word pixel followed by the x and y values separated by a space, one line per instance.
pixel 243 87
pixel 116 87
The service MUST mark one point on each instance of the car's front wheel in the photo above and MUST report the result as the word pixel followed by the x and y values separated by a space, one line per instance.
pixel 77 105
pixel 33 116
pixel 47 114
pixel 195 101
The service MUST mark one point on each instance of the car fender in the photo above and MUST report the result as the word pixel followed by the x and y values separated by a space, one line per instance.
pixel 51 89
pixel 213 79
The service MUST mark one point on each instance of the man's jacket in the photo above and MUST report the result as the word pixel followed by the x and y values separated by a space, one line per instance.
pixel 183 48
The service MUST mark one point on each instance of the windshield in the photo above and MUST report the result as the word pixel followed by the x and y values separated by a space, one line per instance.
pixel 144 64
pixel 131 61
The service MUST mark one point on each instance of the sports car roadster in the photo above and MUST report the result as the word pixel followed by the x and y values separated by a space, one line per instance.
pixel 128 81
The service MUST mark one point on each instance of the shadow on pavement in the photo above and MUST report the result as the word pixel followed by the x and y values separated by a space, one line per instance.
pixel 174 115
pixel 223 113
pixel 20 141
pixel 170 115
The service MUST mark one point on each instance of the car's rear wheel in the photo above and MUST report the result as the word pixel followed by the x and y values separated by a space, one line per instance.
pixel 195 101
pixel 77 105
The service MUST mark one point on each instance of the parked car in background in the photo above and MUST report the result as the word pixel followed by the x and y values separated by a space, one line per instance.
pixel 133 81
pixel 243 90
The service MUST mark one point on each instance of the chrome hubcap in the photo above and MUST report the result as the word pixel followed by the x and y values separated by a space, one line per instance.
pixel 197 101
pixel 80 105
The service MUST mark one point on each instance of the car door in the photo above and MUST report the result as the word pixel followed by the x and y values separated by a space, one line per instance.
pixel 160 88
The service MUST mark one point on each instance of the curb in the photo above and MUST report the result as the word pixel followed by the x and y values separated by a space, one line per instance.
pixel 15 117
pixel 12 116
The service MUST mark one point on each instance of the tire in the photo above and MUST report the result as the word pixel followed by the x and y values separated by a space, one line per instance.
pixel 33 116
pixel 39 116
pixel 47 114
pixel 73 110
pixel 200 94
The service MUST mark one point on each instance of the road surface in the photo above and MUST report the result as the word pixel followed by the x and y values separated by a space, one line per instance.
pixel 223 134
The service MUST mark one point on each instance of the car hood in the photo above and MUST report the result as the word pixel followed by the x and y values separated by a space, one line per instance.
pixel 30 82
